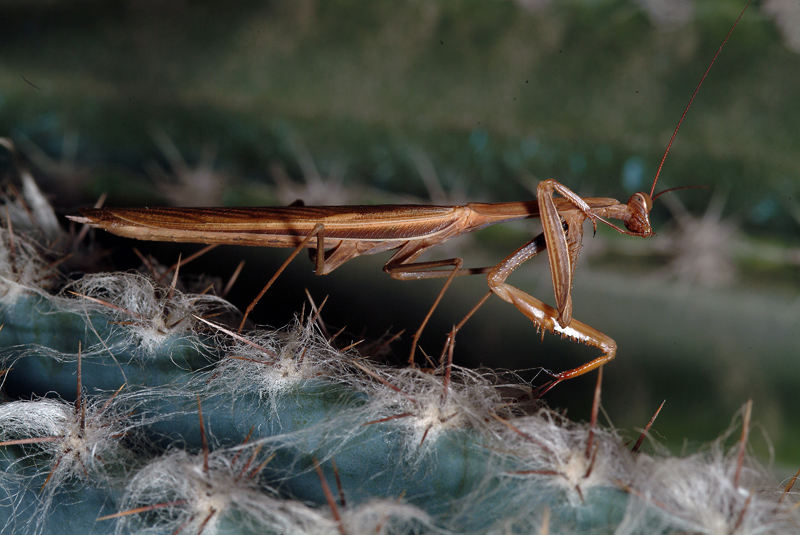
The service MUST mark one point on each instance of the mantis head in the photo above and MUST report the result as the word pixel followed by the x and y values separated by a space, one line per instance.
pixel 638 220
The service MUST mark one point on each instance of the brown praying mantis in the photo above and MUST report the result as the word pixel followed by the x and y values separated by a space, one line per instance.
pixel 336 234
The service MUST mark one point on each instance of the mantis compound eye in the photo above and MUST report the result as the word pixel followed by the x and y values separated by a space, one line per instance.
pixel 640 202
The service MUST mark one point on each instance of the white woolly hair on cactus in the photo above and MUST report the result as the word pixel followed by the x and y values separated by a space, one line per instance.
pixel 198 493
pixel 428 404
pixel 712 492
pixel 81 441
pixel 386 517
pixel 207 493
pixel 548 448
pixel 377 516
pixel 153 314
pixel 272 362
pixel 29 231
pixel 23 268
pixel 424 403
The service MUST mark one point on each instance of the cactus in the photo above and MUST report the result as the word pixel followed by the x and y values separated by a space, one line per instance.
pixel 127 411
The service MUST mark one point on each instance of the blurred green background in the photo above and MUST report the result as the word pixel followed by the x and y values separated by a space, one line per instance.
pixel 355 102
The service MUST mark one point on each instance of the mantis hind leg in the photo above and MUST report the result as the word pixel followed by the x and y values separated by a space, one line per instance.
pixel 402 267
pixel 422 270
